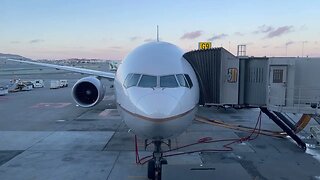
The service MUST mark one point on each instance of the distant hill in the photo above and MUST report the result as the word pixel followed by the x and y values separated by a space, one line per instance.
pixel 11 56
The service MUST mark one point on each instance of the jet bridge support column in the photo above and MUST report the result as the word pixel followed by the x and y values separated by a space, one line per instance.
pixel 286 120
pixel 284 127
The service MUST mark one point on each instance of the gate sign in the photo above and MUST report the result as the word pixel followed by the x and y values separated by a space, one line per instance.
pixel 204 45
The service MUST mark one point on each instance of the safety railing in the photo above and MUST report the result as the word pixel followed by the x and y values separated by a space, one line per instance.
pixel 296 100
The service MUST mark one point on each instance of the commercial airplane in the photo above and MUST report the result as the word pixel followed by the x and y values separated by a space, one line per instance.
pixel 157 93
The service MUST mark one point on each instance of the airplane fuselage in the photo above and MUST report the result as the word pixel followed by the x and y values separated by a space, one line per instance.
pixel 156 91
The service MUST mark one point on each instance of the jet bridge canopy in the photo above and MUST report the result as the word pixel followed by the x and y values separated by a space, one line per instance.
pixel 218 75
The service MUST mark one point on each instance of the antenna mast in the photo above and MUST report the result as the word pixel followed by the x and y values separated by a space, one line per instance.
pixel 157 33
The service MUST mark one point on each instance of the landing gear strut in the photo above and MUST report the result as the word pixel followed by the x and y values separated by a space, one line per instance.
pixel 155 164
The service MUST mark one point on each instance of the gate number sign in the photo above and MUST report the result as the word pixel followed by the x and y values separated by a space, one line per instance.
pixel 204 45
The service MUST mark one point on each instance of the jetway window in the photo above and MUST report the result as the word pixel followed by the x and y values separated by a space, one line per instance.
pixel 131 80
pixel 148 81
pixel 277 76
pixel 182 81
pixel 189 80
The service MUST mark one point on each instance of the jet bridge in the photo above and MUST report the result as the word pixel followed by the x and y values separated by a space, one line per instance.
pixel 277 85
pixel 294 85
pixel 218 75
pixel 282 84
pixel 225 79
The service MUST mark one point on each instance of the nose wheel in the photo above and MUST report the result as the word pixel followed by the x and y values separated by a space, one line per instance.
pixel 151 169
pixel 155 164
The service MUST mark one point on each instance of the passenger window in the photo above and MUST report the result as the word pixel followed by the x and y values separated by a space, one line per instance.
pixel 168 81
pixel 182 81
pixel 189 80
pixel 131 80
pixel 148 81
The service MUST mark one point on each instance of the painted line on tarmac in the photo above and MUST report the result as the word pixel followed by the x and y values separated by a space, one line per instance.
pixel 105 112
pixel 3 98
pixel 109 97
pixel 50 105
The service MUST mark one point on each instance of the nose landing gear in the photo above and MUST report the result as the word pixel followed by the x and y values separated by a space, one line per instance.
pixel 155 164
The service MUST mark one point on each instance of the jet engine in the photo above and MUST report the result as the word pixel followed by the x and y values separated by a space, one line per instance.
pixel 88 91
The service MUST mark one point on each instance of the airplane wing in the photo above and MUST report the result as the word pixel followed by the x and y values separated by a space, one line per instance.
pixel 103 74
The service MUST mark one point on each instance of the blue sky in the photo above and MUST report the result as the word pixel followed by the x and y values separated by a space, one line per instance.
pixel 110 29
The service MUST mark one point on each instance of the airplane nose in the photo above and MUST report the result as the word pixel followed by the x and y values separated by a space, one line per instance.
pixel 158 106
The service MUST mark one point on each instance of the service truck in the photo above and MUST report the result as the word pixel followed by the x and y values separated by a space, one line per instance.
pixel 38 83
pixel 26 85
pixel 63 83
pixel 3 91
pixel 54 84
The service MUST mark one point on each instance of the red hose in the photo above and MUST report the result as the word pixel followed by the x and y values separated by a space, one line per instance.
pixel 204 140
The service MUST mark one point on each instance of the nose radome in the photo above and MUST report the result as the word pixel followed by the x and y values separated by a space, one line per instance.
pixel 158 106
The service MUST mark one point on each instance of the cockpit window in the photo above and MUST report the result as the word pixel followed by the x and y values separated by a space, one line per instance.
pixel 127 80
pixel 189 80
pixel 131 80
pixel 182 81
pixel 148 81
pixel 168 81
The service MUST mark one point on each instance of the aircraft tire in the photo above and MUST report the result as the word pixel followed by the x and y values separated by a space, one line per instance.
pixel 151 169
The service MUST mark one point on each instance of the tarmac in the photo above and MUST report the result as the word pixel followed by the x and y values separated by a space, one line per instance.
pixel 45 135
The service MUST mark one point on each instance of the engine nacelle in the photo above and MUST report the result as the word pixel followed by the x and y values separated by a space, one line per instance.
pixel 88 91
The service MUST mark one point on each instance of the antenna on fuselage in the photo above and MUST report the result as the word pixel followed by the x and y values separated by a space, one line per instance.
pixel 157 33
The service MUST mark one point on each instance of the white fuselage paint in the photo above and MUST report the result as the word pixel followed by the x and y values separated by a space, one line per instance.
pixel 156 113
